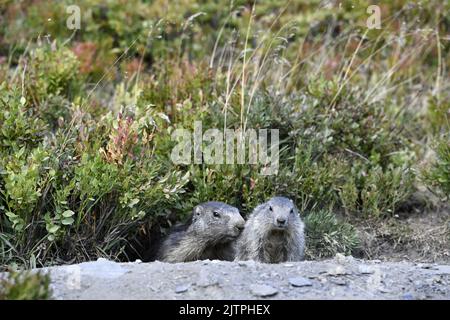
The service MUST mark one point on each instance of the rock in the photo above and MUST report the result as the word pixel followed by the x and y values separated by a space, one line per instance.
pixel 181 288
pixel 207 281
pixel 228 280
pixel 263 290
pixel 408 296
pixel 433 280
pixel 288 265
pixel 337 271
pixel 443 269
pixel 102 268
pixel 300 282
pixel 364 269
pixel 249 263
pixel 376 261
pixel 340 258
pixel 384 290
pixel 338 281
pixel 424 266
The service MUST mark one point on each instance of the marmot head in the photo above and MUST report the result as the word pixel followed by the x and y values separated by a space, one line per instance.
pixel 218 221
pixel 278 213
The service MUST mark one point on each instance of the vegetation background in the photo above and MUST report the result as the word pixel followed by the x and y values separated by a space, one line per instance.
pixel 87 115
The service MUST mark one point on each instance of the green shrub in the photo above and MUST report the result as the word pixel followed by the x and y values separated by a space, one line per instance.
pixel 23 186
pixel 438 176
pixel 25 286
pixel 52 72
pixel 326 236
pixel 19 126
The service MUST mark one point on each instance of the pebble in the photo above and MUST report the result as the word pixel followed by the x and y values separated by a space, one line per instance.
pixel 384 290
pixel 263 290
pixel 408 296
pixel 300 282
pixel 340 258
pixel 249 263
pixel 444 269
pixel 338 270
pixel 424 265
pixel 207 281
pixel 434 280
pixel 338 281
pixel 181 288
pixel 376 261
pixel 363 269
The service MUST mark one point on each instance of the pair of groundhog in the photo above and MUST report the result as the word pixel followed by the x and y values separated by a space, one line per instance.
pixel 273 233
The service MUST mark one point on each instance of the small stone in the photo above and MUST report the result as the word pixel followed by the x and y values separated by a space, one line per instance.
pixel 376 261
pixel 340 258
pixel 102 260
pixel 300 282
pixel 434 280
pixel 249 263
pixel 408 296
pixel 364 269
pixel 207 281
pixel 181 288
pixel 263 290
pixel 424 265
pixel 384 290
pixel 338 281
pixel 338 270
pixel 288 265
pixel 443 269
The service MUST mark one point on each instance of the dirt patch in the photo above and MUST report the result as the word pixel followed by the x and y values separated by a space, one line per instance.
pixel 420 236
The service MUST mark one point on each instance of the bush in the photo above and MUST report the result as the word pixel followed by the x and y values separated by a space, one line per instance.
pixel 438 176
pixel 326 236
pixel 25 286
pixel 20 127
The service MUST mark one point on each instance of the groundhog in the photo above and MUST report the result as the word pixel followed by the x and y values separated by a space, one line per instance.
pixel 208 234
pixel 273 233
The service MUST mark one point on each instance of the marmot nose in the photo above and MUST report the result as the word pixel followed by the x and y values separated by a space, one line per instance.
pixel 240 227
pixel 281 221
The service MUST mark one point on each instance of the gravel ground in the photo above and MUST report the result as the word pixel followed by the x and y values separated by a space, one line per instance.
pixel 338 278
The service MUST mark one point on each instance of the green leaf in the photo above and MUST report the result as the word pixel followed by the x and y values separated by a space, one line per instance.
pixel 133 203
pixel 11 215
pixel 68 213
pixel 67 221
pixel 53 229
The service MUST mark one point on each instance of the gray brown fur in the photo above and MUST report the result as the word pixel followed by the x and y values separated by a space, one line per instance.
pixel 208 234
pixel 273 233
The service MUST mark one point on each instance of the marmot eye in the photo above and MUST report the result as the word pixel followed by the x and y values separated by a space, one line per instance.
pixel 292 211
pixel 270 208
pixel 216 214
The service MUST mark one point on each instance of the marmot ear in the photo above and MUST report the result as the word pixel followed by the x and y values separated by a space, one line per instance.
pixel 197 210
